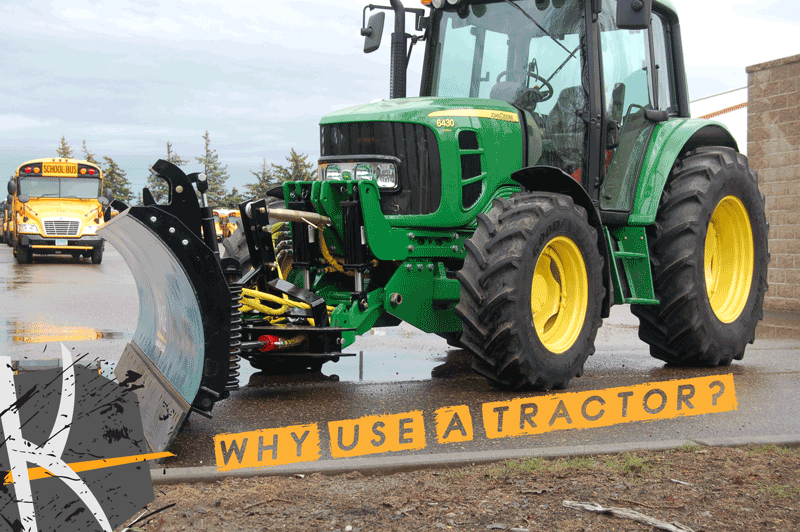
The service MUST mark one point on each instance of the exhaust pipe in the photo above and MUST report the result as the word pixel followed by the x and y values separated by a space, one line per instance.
pixel 397 74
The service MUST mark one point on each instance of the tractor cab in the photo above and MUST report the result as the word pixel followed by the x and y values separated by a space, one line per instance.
pixel 592 86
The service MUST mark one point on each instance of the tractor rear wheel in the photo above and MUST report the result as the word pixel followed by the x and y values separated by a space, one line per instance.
pixel 709 255
pixel 531 292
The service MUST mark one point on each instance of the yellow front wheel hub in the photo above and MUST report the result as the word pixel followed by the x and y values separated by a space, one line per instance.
pixel 559 294
pixel 729 259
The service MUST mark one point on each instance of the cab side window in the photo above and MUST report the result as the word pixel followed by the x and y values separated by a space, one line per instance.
pixel 665 65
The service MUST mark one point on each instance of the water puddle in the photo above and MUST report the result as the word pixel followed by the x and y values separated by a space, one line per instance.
pixel 18 332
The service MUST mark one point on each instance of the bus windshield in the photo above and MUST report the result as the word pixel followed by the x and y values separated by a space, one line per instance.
pixel 60 187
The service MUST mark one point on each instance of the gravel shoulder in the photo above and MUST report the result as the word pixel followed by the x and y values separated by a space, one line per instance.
pixel 699 488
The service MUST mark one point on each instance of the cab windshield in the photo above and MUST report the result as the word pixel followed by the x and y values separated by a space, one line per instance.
pixel 523 54
pixel 511 51
pixel 60 187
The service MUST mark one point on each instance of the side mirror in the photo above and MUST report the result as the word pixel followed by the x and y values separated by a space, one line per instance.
pixel 634 14
pixel 108 195
pixel 12 187
pixel 373 32
pixel 104 201
pixel 10 199
pixel 23 198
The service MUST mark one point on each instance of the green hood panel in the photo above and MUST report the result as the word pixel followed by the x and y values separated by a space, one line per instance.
pixel 416 110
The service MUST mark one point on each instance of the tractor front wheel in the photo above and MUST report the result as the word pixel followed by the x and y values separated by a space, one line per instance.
pixel 709 255
pixel 531 292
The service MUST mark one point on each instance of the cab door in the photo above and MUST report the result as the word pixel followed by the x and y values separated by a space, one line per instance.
pixel 639 94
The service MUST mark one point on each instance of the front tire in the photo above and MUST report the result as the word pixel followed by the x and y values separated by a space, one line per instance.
pixel 24 254
pixel 709 256
pixel 531 292
pixel 97 255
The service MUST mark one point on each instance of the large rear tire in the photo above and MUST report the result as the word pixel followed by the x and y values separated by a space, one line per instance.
pixel 709 255
pixel 531 292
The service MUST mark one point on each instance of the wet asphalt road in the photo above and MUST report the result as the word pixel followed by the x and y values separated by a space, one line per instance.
pixel 93 309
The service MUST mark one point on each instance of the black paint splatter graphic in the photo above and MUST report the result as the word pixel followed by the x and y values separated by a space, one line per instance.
pixel 106 424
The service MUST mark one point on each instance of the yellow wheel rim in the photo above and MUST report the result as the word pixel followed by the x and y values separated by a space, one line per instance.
pixel 729 259
pixel 559 294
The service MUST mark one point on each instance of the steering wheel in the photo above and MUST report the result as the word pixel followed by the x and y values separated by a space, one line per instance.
pixel 539 95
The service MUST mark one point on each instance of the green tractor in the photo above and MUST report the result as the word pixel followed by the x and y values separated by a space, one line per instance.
pixel 549 170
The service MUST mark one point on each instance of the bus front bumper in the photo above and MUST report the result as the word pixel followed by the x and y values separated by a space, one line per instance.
pixel 44 245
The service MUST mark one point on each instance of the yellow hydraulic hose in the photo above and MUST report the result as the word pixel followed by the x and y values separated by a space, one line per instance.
pixel 323 246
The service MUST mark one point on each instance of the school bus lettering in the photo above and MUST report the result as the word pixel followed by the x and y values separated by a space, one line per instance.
pixel 59 168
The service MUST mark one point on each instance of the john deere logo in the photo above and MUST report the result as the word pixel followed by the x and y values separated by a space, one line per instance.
pixel 72 451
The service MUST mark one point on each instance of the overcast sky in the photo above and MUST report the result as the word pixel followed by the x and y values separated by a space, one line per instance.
pixel 127 76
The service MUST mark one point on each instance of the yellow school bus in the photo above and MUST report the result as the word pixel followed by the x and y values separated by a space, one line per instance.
pixel 56 209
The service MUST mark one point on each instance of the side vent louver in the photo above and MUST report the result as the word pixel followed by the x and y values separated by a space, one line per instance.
pixel 470 168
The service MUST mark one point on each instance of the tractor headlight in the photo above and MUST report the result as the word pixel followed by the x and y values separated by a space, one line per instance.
pixel 27 228
pixel 90 229
pixel 387 175
pixel 333 171
pixel 365 171
pixel 384 174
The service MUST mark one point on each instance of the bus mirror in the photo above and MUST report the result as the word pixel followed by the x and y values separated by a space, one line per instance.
pixel 12 187
pixel 108 195
pixel 23 198
pixel 373 32
pixel 104 201
pixel 634 14
pixel 10 199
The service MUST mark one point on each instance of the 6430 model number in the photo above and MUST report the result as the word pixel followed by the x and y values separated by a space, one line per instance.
pixel 445 122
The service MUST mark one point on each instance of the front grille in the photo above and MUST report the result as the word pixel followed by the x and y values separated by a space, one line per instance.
pixel 61 227
pixel 414 144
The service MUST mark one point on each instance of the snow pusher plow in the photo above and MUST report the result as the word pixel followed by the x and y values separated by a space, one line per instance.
pixel 549 170
pixel 186 349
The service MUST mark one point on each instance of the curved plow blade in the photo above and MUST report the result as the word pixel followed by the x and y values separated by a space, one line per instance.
pixel 179 357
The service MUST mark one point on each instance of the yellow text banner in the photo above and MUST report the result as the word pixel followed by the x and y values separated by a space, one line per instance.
pixel 611 406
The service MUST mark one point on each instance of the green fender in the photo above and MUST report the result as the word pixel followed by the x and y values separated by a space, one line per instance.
pixel 669 141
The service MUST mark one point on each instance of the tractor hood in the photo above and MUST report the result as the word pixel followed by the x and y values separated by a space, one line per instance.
pixel 423 109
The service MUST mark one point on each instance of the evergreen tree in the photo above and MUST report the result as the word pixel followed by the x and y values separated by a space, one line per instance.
pixel 87 155
pixel 216 173
pixel 157 186
pixel 232 200
pixel 115 179
pixel 265 180
pixel 298 169
pixel 64 151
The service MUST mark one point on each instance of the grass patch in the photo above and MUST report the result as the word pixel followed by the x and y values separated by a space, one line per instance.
pixel 781 491
pixel 772 449
pixel 517 466
pixel 628 464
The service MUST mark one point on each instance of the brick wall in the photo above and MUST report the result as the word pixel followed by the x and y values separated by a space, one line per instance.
pixel 773 146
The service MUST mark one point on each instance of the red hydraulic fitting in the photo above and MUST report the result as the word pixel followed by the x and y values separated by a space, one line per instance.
pixel 271 342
